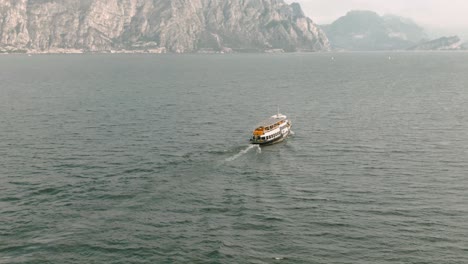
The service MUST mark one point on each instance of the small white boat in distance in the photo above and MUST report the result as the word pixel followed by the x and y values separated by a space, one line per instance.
pixel 272 130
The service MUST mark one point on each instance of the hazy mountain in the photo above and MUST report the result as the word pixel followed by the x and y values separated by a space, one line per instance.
pixel 366 30
pixel 443 43
pixel 464 46
pixel 156 26
pixel 439 31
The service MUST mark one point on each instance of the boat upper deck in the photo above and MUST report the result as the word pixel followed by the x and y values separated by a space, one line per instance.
pixel 272 121
pixel 270 124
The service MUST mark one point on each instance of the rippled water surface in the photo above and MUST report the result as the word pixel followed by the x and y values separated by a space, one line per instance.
pixel 145 159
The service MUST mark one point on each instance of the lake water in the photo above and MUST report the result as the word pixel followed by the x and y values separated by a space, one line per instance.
pixel 146 159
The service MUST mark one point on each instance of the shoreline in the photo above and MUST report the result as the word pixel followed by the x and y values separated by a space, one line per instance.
pixel 140 52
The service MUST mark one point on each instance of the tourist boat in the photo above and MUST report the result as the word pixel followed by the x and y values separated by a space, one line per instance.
pixel 272 130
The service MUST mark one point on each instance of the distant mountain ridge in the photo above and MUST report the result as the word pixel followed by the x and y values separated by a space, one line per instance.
pixel 443 43
pixel 177 26
pixel 464 46
pixel 366 30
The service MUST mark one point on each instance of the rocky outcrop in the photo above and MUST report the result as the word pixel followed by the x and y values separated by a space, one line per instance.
pixel 443 43
pixel 366 30
pixel 156 26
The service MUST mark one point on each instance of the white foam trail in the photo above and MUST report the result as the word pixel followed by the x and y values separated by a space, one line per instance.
pixel 259 149
pixel 244 151
pixel 292 133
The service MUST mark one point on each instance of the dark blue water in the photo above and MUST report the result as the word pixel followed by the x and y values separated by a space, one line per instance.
pixel 145 159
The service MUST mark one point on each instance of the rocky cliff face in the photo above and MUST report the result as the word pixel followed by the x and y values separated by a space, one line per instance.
pixel 156 25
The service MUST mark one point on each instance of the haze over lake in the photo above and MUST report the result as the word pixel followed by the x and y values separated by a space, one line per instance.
pixel 146 158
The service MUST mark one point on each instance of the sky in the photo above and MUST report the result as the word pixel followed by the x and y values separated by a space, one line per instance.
pixel 449 14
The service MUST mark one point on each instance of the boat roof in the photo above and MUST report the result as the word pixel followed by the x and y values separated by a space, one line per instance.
pixel 272 120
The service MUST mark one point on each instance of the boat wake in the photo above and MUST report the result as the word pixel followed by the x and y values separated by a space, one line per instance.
pixel 245 151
